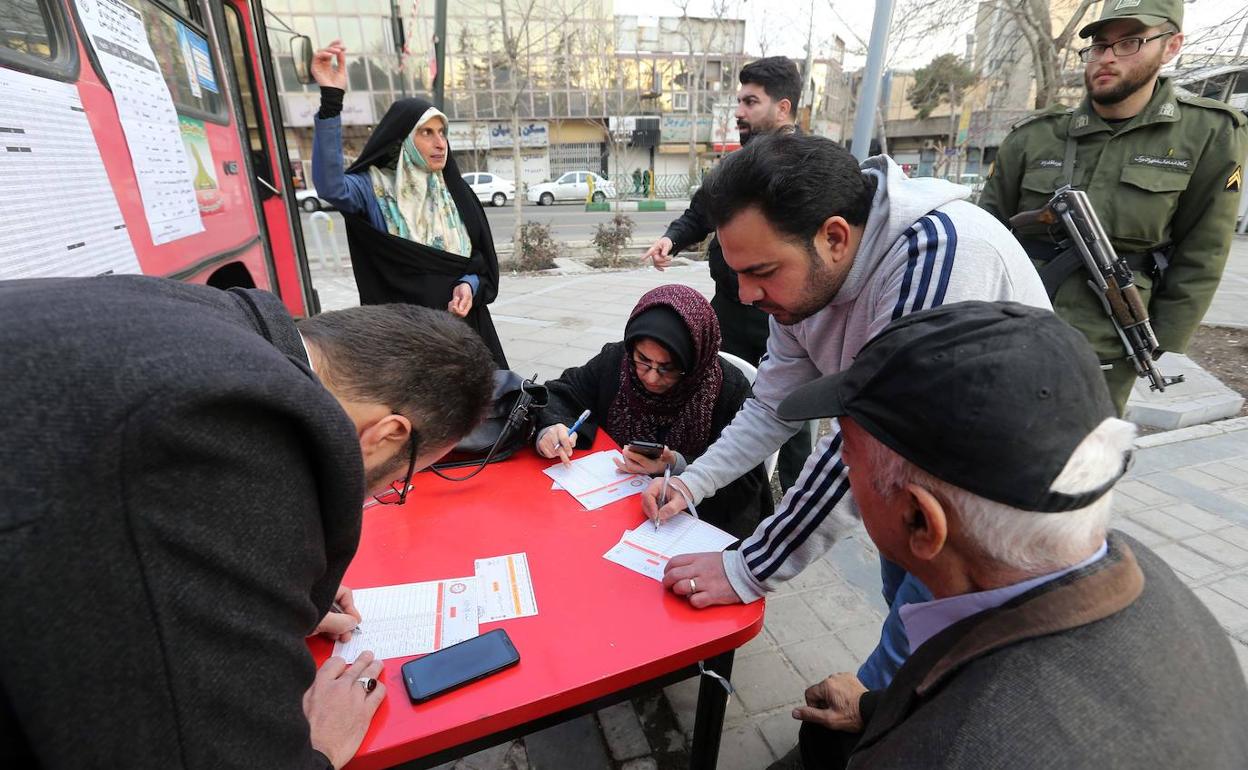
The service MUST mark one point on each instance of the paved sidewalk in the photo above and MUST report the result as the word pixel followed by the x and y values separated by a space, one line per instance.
pixel 1187 497
pixel 1230 304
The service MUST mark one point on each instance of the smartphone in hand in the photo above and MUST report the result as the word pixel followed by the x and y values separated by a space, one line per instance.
pixel 646 449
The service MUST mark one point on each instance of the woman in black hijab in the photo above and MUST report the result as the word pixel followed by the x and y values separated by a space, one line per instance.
pixel 416 231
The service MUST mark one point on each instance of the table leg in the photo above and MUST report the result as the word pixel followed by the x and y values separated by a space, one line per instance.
pixel 708 723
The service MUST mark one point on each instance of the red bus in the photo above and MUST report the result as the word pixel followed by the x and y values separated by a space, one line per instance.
pixel 145 136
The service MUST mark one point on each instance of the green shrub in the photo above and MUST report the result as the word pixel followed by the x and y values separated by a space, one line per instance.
pixel 611 238
pixel 537 247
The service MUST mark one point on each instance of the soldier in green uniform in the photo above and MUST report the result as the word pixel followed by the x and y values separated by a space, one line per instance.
pixel 1162 169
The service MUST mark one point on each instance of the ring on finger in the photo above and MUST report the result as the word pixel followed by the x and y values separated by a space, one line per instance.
pixel 693 587
pixel 368 683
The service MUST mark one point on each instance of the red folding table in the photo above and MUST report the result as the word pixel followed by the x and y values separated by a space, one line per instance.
pixel 602 633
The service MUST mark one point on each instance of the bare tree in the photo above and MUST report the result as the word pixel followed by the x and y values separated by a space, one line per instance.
pixel 1029 24
pixel 700 40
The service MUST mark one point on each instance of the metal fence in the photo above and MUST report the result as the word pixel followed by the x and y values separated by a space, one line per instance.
pixel 668 186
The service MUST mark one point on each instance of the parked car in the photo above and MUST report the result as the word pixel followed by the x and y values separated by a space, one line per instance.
pixel 309 202
pixel 572 186
pixel 491 188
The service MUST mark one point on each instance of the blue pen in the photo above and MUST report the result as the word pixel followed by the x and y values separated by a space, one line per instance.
pixel 579 421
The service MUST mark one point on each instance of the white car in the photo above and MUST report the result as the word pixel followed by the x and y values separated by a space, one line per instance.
pixel 491 188
pixel 309 202
pixel 572 186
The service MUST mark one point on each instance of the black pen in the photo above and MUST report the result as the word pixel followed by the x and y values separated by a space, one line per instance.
pixel 336 607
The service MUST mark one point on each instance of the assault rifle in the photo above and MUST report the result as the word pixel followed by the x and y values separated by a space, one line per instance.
pixel 1111 277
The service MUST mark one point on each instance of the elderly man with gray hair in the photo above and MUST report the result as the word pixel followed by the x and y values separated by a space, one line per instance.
pixel 983 448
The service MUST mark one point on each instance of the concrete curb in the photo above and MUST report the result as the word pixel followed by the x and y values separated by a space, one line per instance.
pixel 1218 428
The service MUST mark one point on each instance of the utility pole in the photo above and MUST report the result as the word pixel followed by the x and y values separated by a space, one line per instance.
pixel 400 43
pixel 439 53
pixel 869 94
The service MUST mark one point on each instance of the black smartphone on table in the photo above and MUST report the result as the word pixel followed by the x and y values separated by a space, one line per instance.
pixel 646 449
pixel 455 666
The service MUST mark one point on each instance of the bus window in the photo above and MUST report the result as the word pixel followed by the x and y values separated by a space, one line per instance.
pixel 162 32
pixel 247 95
pixel 26 29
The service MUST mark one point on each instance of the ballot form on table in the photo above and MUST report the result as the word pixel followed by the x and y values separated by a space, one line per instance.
pixel 647 549
pixel 505 588
pixel 595 481
pixel 413 618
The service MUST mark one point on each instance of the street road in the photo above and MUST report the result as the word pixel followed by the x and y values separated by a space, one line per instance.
pixel 571 223
pixel 574 223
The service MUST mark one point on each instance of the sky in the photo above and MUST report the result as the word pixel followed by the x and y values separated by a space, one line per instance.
pixel 784 26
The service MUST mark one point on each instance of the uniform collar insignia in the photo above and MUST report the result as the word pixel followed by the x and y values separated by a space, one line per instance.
pixel 1081 121
pixel 1166 110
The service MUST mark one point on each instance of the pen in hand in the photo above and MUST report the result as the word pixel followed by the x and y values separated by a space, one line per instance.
pixel 667 479
pixel 336 607
pixel 575 426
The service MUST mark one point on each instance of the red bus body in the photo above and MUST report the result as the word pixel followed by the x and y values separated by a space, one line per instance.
pixel 251 234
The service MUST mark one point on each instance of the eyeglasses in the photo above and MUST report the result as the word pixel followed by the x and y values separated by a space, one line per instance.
pixel 1128 46
pixel 664 371
pixel 397 493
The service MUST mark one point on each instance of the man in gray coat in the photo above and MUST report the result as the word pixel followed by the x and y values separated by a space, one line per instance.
pixel 181 476
pixel 1050 641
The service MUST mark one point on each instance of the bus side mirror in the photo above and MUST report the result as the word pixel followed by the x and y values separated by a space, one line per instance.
pixel 301 50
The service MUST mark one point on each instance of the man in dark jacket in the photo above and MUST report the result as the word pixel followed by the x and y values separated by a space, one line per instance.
pixel 767 103
pixel 1050 641
pixel 181 475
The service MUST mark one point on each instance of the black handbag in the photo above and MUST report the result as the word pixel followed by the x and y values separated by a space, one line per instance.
pixel 509 425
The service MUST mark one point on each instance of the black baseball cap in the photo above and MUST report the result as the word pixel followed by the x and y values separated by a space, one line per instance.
pixel 992 397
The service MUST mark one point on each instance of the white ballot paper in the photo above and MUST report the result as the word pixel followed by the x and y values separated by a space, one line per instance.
pixel 413 618
pixel 505 588
pixel 647 550
pixel 594 480
pixel 148 117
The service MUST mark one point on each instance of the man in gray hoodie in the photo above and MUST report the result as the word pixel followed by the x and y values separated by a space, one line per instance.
pixel 832 252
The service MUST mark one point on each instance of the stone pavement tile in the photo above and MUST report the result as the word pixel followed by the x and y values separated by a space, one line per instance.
pixel 1232 615
pixel 789 619
pixel 765 682
pixel 1217 549
pixel 858 563
pixel 683 698
pixel 762 642
pixel 527 349
pixel 1193 516
pixel 623 731
pixel 575 743
pixel 1145 493
pixel 841 607
pixel 780 732
pixel 1124 503
pixel 742 748
pixel 563 357
pixel 1212 502
pixel 1164 523
pixel 1187 563
pixel 644 763
pixel 818 573
pixel 1235 534
pixel 1227 472
pixel 1234 588
pixel 860 640
pixel 1201 479
pixel 816 659
pixel 1143 534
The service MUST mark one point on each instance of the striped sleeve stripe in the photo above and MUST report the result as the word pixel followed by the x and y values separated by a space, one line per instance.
pixel 913 251
pixel 805 506
pixel 830 456
pixel 951 251
pixel 812 523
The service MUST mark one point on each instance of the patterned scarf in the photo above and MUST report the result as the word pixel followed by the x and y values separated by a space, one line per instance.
pixel 417 205
pixel 685 409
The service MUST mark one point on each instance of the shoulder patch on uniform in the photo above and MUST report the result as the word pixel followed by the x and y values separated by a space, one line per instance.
pixel 1235 182
pixel 1213 104
pixel 1056 111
